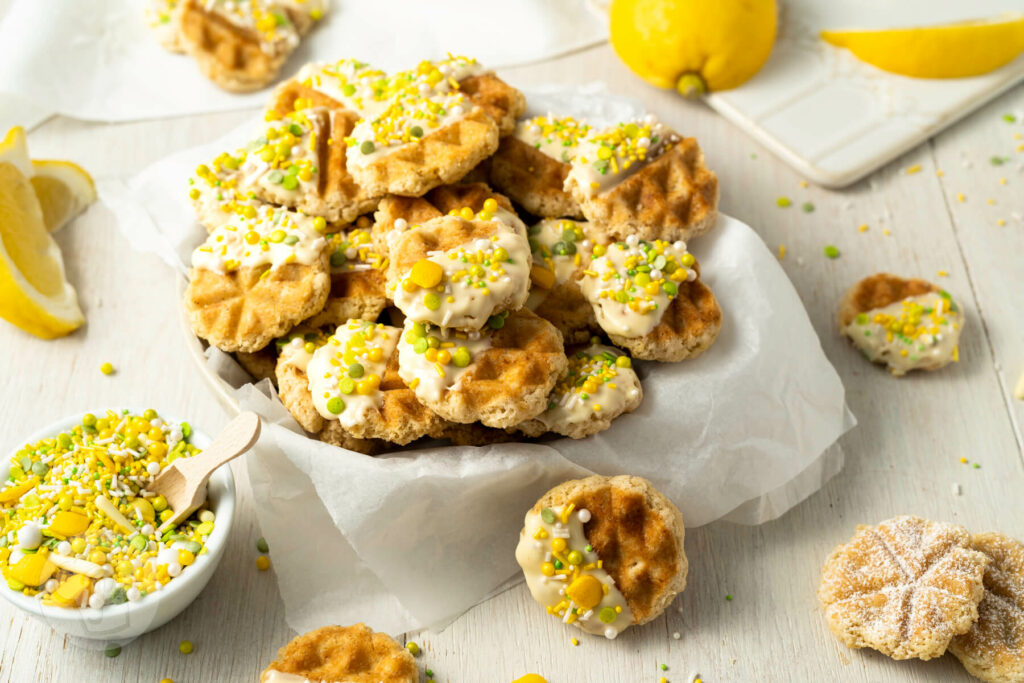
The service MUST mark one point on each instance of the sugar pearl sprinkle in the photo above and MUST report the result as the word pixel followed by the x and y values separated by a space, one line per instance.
pixel 589 370
pixel 271 236
pixel 78 527
pixel 354 251
pixel 345 374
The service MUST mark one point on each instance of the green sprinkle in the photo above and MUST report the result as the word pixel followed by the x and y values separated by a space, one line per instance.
pixel 977 466
pixel 335 405
pixel 670 288
pixel 548 515
pixel 607 615
pixel 416 132
pixel 40 469
pixel 998 161
pixel 808 207
pixel 461 357
pixel 346 385
pixel 112 651
pixel 432 301
pixel 783 202
pixel 728 597
pixel 348 90
pixel 496 322
pixel 290 182
pixel 1009 118
pixel 89 420
pixel 367 147
pixel 831 251
pixel 862 319
pixel 664 667
pixel 420 345
pixel 430 674
pixel 275 177
pixel 261 545
pixel 356 370
pixel 413 648
pixel 139 543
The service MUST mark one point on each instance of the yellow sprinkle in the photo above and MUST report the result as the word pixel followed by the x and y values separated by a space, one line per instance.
pixel 803 183
pixel 886 232
pixel 1002 181
pixel 991 202
pixel 782 251
pixel 916 168
pixel 575 642
pixel 940 173
pixel 960 197
pixel 863 228
pixel 1000 222
pixel 943 273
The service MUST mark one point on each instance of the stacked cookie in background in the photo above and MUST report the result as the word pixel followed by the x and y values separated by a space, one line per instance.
pixel 358 257
pixel 914 588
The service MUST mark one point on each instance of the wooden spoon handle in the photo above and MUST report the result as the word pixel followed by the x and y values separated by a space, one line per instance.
pixel 239 436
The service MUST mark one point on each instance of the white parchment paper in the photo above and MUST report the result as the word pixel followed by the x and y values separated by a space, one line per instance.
pixel 744 432
pixel 96 59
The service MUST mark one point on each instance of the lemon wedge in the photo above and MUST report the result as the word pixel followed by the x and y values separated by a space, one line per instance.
pixel 64 190
pixel 14 149
pixel 960 50
pixel 34 294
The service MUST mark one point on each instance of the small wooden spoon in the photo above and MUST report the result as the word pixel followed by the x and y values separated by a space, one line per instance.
pixel 183 482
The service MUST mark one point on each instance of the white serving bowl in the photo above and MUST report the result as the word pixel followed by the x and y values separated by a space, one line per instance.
pixel 120 623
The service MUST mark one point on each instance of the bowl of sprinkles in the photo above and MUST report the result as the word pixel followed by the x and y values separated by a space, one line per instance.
pixel 81 543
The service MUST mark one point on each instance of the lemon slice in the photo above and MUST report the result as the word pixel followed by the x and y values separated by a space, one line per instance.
pixel 33 292
pixel 14 149
pixel 958 50
pixel 64 190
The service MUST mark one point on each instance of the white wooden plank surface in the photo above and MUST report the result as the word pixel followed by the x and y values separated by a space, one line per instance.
pixel 903 457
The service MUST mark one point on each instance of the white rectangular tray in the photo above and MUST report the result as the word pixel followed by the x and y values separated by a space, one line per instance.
pixel 835 119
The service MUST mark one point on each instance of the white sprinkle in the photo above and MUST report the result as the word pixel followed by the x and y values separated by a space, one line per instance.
pixel 153 469
pixel 584 515
pixel 676 635
pixel 956 489
pixel 401 224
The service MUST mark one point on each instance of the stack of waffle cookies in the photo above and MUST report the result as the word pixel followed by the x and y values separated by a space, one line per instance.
pixel 359 258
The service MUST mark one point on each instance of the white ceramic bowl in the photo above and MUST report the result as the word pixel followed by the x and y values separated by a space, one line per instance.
pixel 120 623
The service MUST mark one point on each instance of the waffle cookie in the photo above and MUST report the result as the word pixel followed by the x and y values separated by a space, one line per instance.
pixel 342 654
pixel 993 650
pixel 241 44
pixel 662 311
pixel 903 324
pixel 431 133
pixel 905 587
pixel 599 386
pixel 357 280
pixel 531 166
pixel 499 376
pixel 395 215
pixel 352 386
pixel 603 553
pixel 260 364
pixel 558 247
pixel 457 271
pixel 254 281
pixel 474 434
pixel 640 178
pixel 297 161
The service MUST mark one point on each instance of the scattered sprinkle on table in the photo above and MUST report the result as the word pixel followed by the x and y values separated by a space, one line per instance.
pixel 943 273
pixel 886 232
pixel 107 369
pixel 831 251
pixel 940 173
pixel 112 651
pixel 1009 118
pixel 261 545
pixel 803 183
pixel 662 680
pixel 263 563
pixel 960 197
pixel 863 227
pixel 991 202
pixel 783 202
pixel 186 647
pixel 782 251
pixel 916 168
pixel 664 667
pixel 413 648
pixel 1002 181
pixel 808 207
pixel 998 161
pixel 166 680
pixel 728 597
pixel 676 635
pixel 575 642
pixel 956 489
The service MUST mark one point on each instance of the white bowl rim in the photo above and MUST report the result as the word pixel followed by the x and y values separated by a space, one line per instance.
pixel 217 542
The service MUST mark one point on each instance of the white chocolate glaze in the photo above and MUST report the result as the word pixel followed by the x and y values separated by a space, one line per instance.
pixel 554 581
pixel 630 284
pixel 433 360
pixel 274 236
pixel 600 380
pixel 345 373
pixel 918 333
pixel 556 137
pixel 607 157
pixel 559 245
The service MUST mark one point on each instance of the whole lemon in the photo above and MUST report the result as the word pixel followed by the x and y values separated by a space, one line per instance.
pixel 694 46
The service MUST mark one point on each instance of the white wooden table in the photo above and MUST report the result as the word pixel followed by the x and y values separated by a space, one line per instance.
pixel 903 457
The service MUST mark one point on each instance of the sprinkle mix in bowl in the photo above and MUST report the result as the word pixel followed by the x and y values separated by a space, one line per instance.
pixel 78 527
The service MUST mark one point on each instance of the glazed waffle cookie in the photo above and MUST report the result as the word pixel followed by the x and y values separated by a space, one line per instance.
pixel 499 376
pixel 354 654
pixel 904 324
pixel 350 385
pixel 242 45
pixel 649 299
pixel 292 162
pixel 599 386
pixel 604 553
pixel 532 165
pixel 254 281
